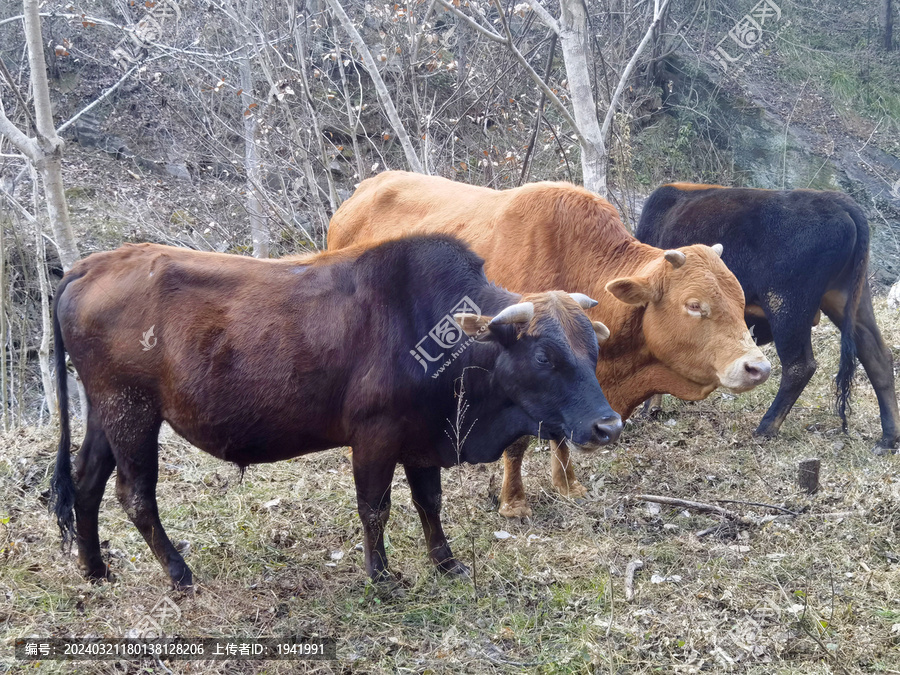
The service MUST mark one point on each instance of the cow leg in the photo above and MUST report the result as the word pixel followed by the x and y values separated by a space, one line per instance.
pixel 425 485
pixel 562 475
pixel 136 451
pixel 876 358
pixel 791 333
pixel 373 500
pixel 93 466
pixel 513 503
pixel 652 406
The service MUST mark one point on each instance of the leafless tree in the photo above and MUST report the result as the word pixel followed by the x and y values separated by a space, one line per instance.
pixel 44 149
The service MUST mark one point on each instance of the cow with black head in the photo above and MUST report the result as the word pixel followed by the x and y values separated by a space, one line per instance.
pixel 402 350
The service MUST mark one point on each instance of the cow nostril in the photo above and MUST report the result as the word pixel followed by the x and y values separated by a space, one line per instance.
pixel 758 371
pixel 608 430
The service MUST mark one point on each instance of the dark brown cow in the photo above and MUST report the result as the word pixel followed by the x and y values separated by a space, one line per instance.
pixel 263 360
pixel 676 317
pixel 796 253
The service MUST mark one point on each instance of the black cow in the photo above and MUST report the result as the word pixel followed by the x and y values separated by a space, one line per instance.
pixel 263 360
pixel 794 252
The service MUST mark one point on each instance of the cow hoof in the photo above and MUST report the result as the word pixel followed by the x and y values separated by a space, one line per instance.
pixel 516 509
pixel 573 490
pixel 454 567
pixel 882 450
pixel 652 413
pixel 386 587
pixel 99 574
pixel 181 577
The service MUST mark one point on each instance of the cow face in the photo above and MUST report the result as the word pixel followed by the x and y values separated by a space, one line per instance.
pixel 694 322
pixel 547 364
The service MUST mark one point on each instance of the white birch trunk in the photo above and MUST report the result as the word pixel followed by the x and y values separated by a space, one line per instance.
pixel 46 330
pixel 576 51
pixel 258 232
pixel 48 158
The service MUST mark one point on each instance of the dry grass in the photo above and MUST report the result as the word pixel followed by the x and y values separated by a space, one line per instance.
pixel 813 594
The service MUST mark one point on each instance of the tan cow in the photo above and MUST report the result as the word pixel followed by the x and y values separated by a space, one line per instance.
pixel 676 317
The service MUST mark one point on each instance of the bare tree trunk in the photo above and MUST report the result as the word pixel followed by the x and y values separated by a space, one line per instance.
pixel 4 334
pixel 576 54
pixel 888 15
pixel 352 120
pixel 44 349
pixel 380 88
pixel 258 232
pixel 48 160
pixel 301 50
pixel 40 256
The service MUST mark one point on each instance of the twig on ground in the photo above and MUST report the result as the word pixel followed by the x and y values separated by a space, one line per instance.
pixel 760 504
pixel 697 506
pixel 633 567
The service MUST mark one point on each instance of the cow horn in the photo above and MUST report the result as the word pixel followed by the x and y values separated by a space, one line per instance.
pixel 522 312
pixel 717 249
pixel 675 257
pixel 583 301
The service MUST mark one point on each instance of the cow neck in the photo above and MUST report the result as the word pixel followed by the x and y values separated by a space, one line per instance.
pixel 626 369
pixel 494 419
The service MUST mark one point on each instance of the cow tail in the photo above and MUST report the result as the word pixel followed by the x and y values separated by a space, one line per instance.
pixel 62 487
pixel 860 262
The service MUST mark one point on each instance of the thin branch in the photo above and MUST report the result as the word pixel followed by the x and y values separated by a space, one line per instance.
pixel 537 78
pixel 415 45
pixel 380 88
pixel 105 95
pixel 526 162
pixel 614 101
pixel 18 207
pixel 766 506
pixel 27 146
pixel 15 88
pixel 544 15
pixel 80 17
pixel 696 506
pixel 478 28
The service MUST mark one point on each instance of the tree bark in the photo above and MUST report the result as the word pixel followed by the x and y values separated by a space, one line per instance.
pixel 888 16
pixel 48 159
pixel 259 235
pixel 4 329
pixel 576 53
pixel 380 88
pixel 44 349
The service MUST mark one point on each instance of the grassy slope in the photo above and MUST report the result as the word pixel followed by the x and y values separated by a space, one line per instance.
pixel 815 594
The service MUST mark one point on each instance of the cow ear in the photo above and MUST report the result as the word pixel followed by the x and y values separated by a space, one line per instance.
pixel 631 290
pixel 481 328
pixel 473 325
pixel 602 332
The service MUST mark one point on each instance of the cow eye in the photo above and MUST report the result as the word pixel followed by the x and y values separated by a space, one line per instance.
pixel 694 308
pixel 541 358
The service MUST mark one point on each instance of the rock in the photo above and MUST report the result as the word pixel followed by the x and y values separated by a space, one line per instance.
pixel 893 298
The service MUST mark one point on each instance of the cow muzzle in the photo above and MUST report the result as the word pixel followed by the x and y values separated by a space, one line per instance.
pixel 746 372
pixel 603 432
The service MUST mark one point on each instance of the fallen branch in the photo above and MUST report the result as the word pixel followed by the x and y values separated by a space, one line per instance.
pixel 633 567
pixel 697 506
pixel 761 505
